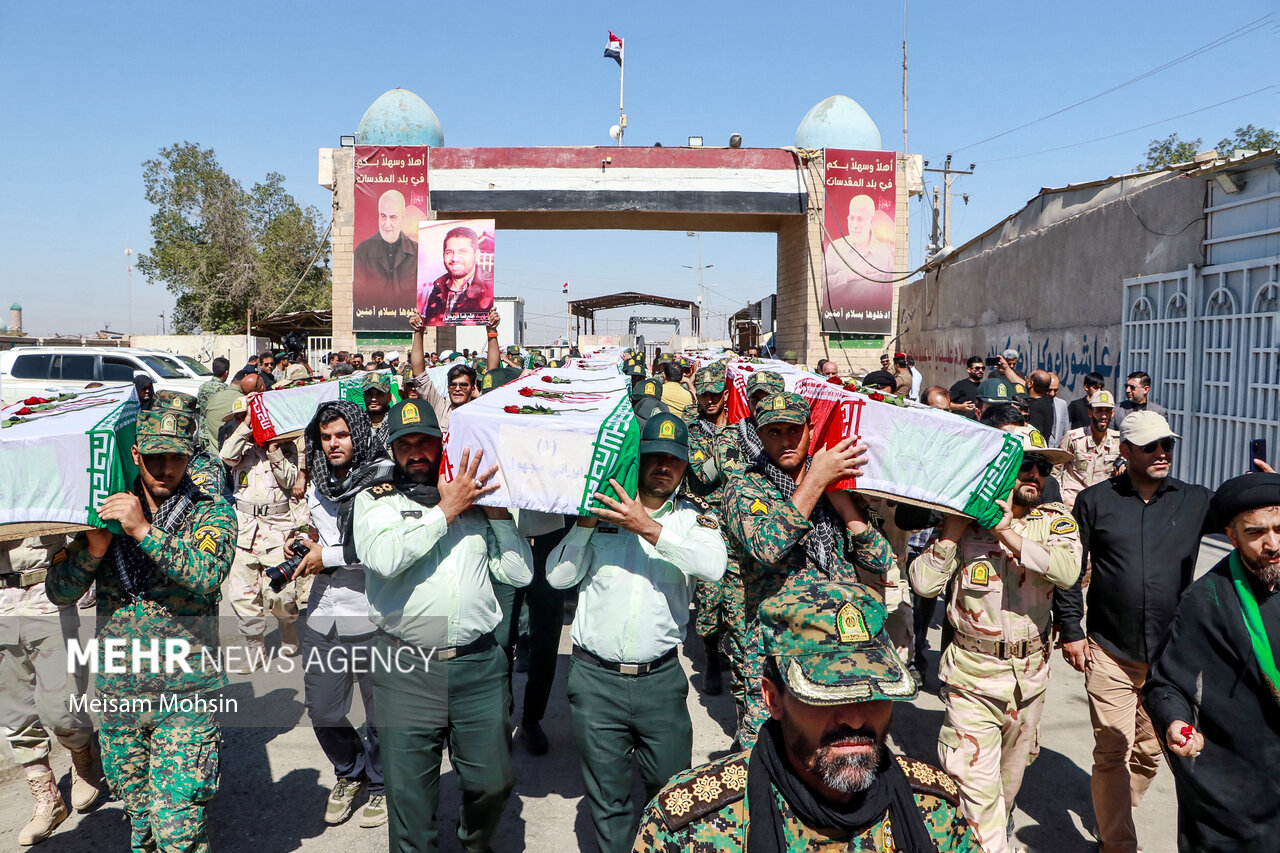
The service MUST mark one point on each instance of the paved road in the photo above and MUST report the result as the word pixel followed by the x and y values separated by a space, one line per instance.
pixel 275 779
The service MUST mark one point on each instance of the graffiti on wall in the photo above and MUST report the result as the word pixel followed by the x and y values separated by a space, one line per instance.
pixel 1048 353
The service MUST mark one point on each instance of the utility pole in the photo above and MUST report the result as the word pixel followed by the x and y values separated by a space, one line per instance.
pixel 904 76
pixel 948 177
pixel 128 271
pixel 697 330
pixel 163 331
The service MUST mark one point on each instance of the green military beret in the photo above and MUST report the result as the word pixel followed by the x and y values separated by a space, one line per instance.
pixel 165 431
pixel 784 408
pixel 665 433
pixel 765 380
pixel 830 644
pixel 709 380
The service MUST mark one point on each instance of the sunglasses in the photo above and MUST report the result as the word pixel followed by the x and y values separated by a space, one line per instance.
pixel 1165 444
pixel 1042 466
pixel 459 384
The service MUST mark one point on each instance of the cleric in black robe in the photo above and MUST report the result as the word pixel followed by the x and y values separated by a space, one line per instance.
pixel 1217 673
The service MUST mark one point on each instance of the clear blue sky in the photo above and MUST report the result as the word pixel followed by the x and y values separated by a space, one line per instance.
pixel 90 90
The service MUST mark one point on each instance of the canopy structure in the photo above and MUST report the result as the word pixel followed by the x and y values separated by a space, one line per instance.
pixel 585 309
pixel 277 326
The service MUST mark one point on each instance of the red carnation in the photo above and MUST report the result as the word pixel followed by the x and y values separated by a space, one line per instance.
pixel 35 401
pixel 834 380
pixel 877 396
pixel 526 392
pixel 511 410
pixel 547 379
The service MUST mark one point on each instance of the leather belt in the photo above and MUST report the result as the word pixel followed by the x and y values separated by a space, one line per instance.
pixel 624 668
pixel 9 580
pixel 261 509
pixel 479 644
pixel 1000 648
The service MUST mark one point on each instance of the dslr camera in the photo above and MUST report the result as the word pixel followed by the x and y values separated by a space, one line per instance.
pixel 288 570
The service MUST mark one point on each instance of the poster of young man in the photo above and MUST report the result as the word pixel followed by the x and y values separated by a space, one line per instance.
pixel 858 246
pixel 455 271
pixel 390 200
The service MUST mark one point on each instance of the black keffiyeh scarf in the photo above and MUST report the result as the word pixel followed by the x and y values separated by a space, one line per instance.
pixel 369 463
pixel 890 791
pixel 139 573
pixel 822 539
pixel 749 439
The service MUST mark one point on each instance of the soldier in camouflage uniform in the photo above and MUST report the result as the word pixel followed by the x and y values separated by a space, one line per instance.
pixel 35 685
pixel 157 584
pixel 783 524
pixel 830 682
pixel 996 670
pixel 205 469
pixel 267 518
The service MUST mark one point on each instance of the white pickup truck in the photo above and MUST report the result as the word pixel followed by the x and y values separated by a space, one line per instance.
pixel 46 371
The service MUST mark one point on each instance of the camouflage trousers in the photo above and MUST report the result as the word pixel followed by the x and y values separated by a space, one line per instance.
pixel 164 766
pixel 249 592
pixel 990 734
pixel 722 611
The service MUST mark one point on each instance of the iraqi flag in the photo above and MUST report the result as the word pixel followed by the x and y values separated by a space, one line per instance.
pixel 614 49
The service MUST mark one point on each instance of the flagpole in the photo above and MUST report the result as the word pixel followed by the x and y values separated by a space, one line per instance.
pixel 622 74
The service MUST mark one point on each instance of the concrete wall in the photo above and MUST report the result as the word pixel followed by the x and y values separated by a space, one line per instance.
pixel 1048 281
pixel 204 348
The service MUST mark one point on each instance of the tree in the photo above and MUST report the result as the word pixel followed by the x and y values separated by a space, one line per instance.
pixel 1172 149
pixel 223 250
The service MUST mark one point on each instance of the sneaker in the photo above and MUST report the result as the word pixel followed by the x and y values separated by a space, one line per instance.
pixel 342 801
pixel 374 812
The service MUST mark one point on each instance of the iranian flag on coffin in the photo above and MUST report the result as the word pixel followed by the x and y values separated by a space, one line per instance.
pixel 289 410
pixel 59 459
pixel 557 437
pixel 916 453
pixel 738 372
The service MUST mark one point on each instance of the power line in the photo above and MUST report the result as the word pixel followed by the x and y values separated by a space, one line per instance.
pixel 1240 32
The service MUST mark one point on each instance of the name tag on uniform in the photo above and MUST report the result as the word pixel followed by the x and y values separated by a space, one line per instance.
pixel 411 513
pixel 606 528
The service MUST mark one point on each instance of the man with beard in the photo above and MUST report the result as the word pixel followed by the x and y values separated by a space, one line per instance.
pixel 338 639
pixel 377 402
pixel 782 522
pixel 466 288
pixel 429 557
pixel 1141 532
pixel 463 383
pixel 820 777
pixel 995 672
pixel 157 584
pixel 1095 450
pixel 637 560
pixel 1214 691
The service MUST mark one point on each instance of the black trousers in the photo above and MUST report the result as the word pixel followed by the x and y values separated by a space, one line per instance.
pixel 335 667
pixel 546 620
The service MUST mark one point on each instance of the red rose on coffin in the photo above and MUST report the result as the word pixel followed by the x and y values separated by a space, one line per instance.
pixel 511 410
pixel 526 392
pixel 747 368
pixel 547 379
pixel 34 401
pixel 876 395
pixel 23 411
pixel 834 380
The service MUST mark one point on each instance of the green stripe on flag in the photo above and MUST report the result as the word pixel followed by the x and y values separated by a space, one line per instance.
pixel 996 482
pixel 111 469
pixel 616 455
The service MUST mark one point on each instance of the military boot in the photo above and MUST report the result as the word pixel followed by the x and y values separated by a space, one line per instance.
pixel 50 810
pixel 87 784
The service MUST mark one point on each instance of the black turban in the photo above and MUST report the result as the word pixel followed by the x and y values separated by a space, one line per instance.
pixel 1241 494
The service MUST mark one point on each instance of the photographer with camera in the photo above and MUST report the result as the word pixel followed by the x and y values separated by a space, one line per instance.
pixel 345 456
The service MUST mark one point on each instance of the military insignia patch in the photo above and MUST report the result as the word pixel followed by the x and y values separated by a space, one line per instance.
pixel 667 430
pixel 1062 526
pixel 204 539
pixel 382 490
pixel 709 522
pixel 60 556
pixel 243 478
pixel 699 456
pixel 851 627
pixel 779 403
pixel 758 507
pixel 488 382
pixel 409 414
pixel 650 388
pixel 980 573
pixel 1037 440
pixel 169 424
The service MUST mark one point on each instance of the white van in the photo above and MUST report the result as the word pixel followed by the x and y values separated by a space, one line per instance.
pixel 46 371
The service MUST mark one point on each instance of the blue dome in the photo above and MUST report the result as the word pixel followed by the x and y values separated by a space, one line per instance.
pixel 399 117
pixel 838 122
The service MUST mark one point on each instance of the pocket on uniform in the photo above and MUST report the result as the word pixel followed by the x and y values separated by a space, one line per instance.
pixel 208 771
pixel 948 736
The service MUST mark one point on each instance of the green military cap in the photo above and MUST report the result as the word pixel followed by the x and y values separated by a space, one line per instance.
pixel 709 380
pixel 165 431
pixel 784 408
pixel 765 380
pixel 665 433
pixel 995 390
pixel 512 350
pixel 175 400
pixel 647 388
pixel 664 358
pixel 282 354
pixel 646 407
pixel 791 356
pixel 830 644
pixel 380 381
pixel 539 360
pixel 481 365
pixel 498 377
pixel 409 417
pixel 635 368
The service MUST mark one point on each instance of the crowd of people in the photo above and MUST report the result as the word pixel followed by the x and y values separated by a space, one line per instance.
pixel 814 601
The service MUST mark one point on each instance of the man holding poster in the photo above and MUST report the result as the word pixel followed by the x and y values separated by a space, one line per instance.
pixel 463 295
pixel 858 246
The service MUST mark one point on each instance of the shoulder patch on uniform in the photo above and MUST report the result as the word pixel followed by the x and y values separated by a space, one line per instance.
pixel 382 490
pixel 205 540
pixel 710 789
pixel 758 507
pixel 60 556
pixel 698 456
pixel 699 503
pixel 1056 506
pixel 927 779
pixel 709 522
pixel 1063 525
pixel 1035 513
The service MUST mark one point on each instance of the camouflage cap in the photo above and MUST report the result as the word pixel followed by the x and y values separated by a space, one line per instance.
pixel 239 406
pixel 647 388
pixel 1033 443
pixel 165 431
pixel 539 360
pixel 765 380
pixel 784 408
pixel 380 381
pixel 791 356
pixel 830 644
pixel 709 380
pixel 176 401
pixel 512 350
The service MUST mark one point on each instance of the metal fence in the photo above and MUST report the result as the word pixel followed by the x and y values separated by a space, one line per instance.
pixel 1210 338
pixel 317 349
